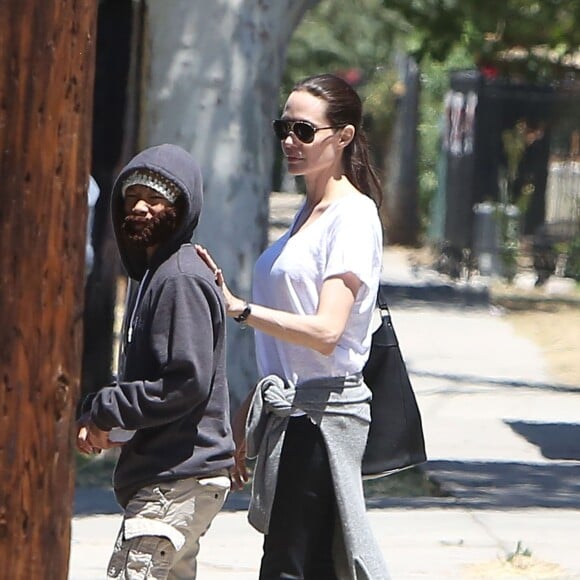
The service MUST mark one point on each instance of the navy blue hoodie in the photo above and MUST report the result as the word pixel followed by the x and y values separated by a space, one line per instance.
pixel 173 389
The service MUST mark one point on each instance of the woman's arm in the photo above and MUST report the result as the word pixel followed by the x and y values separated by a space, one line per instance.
pixel 320 331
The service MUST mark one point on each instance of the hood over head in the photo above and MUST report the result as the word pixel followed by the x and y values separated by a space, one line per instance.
pixel 179 167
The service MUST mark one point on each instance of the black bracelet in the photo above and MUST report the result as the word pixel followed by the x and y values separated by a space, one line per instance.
pixel 242 317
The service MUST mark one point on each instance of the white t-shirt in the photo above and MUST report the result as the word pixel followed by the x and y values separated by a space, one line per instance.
pixel 288 276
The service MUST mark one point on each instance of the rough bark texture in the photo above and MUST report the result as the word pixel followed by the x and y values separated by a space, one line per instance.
pixel 46 69
pixel 211 84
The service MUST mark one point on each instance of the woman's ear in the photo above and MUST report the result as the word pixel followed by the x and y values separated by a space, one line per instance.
pixel 346 135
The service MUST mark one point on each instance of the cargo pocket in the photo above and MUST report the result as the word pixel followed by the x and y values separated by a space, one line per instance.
pixel 145 550
pixel 142 558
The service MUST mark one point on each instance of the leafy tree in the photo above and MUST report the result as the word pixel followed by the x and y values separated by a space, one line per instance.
pixel 541 35
pixel 341 36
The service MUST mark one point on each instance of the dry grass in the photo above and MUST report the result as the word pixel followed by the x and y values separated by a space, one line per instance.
pixel 556 330
pixel 518 564
pixel 516 568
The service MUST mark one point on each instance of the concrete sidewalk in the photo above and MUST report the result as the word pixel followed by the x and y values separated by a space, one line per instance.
pixel 502 438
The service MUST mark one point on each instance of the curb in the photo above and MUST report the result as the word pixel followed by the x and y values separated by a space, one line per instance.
pixel 443 294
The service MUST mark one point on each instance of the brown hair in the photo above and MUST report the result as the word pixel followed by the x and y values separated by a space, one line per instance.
pixel 344 107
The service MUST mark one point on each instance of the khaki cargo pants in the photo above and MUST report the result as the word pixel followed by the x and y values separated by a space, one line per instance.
pixel 162 525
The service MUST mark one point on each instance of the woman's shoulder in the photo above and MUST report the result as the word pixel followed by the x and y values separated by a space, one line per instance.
pixel 357 205
pixel 357 219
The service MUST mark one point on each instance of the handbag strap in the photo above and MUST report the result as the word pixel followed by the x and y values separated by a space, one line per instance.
pixel 382 303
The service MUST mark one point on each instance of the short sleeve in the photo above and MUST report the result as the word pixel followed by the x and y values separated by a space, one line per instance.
pixel 354 242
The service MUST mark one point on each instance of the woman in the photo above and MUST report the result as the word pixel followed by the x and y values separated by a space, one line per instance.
pixel 314 292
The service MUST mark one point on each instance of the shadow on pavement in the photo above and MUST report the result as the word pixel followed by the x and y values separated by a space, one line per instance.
pixel 493 485
pixel 559 441
pixel 478 485
pixel 465 379
pixel 452 295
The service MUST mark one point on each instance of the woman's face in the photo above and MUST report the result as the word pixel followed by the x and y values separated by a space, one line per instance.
pixel 325 151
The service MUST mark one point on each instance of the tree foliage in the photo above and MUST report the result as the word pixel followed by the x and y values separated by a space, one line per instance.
pixel 340 35
pixel 541 34
pixel 355 38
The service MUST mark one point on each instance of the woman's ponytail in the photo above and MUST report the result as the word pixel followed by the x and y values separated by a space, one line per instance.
pixel 359 169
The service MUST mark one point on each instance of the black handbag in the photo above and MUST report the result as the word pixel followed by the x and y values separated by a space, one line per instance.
pixel 395 441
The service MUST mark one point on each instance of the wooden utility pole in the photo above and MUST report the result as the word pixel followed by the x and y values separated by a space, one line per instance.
pixel 46 82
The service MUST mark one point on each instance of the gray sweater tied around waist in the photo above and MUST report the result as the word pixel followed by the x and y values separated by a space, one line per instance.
pixel 340 408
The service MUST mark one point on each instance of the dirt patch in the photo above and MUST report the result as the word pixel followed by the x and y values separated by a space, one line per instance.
pixel 516 567
pixel 556 330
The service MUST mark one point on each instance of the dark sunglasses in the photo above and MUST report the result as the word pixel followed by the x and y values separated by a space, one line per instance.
pixel 303 130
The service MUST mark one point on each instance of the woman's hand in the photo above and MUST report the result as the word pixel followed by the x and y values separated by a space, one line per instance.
pixel 239 472
pixel 234 305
